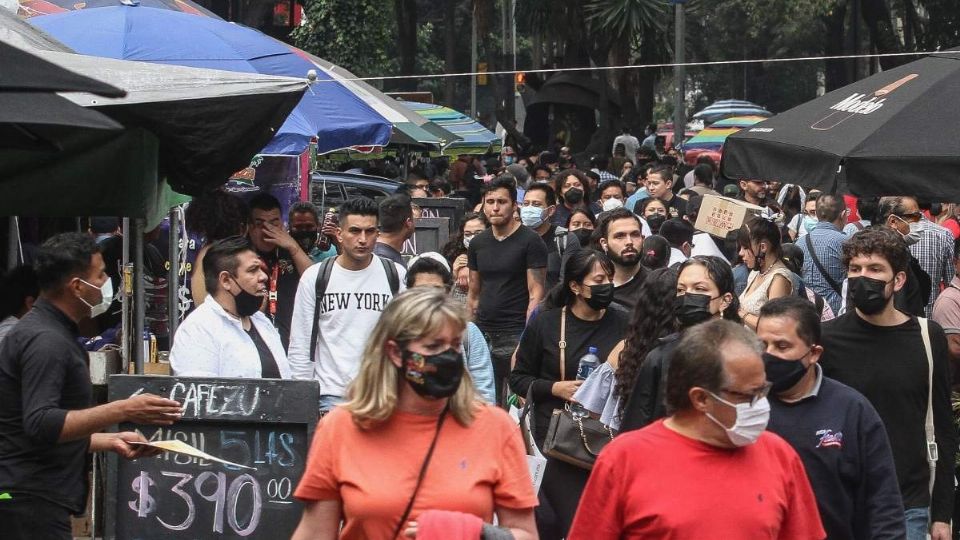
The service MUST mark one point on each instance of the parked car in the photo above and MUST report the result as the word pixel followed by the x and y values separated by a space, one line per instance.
pixel 330 188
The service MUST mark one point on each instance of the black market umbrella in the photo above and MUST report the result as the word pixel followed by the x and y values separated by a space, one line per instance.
pixel 895 133
pixel 21 71
pixel 41 120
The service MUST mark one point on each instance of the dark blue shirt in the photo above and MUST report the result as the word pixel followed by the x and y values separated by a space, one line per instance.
pixel 844 448
pixel 43 375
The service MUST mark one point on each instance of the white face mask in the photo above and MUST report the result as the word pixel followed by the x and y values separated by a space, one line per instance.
pixel 532 217
pixel 612 204
pixel 913 236
pixel 106 298
pixel 466 241
pixel 751 421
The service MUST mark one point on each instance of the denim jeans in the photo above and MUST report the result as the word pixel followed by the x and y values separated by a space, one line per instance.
pixel 502 345
pixel 917 521
pixel 328 402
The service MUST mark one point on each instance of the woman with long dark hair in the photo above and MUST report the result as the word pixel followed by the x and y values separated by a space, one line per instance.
pixel 606 392
pixel 655 252
pixel 455 251
pixel 573 189
pixel 705 291
pixel 577 313
pixel 769 277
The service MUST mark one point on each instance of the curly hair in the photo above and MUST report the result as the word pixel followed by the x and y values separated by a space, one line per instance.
pixel 881 241
pixel 653 318
pixel 561 177
pixel 217 215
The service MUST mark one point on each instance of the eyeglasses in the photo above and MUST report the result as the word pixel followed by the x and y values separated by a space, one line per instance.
pixel 468 234
pixel 753 397
pixel 911 217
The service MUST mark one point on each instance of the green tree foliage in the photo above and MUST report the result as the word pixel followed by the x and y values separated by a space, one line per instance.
pixel 359 35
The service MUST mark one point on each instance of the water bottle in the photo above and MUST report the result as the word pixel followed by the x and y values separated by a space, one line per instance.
pixel 330 218
pixel 588 363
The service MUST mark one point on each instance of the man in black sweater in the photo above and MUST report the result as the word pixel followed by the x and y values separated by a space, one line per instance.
pixel 880 352
pixel 833 428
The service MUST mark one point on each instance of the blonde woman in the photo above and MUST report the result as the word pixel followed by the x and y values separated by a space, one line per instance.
pixel 413 436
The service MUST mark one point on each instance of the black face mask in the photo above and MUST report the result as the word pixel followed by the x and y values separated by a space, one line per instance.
pixel 655 221
pixel 440 382
pixel 693 308
pixel 783 374
pixel 247 304
pixel 600 296
pixel 583 235
pixel 573 195
pixel 869 295
pixel 306 239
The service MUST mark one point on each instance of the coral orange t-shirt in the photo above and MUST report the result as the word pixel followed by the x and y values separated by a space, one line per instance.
pixel 373 472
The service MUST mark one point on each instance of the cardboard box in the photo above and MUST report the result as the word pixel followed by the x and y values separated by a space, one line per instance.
pixel 720 215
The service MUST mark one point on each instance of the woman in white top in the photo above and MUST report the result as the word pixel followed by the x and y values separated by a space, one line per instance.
pixel 229 336
pixel 769 278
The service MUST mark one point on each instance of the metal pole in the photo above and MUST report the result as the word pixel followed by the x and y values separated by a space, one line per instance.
pixel 679 75
pixel 139 304
pixel 473 62
pixel 173 273
pixel 13 242
pixel 127 349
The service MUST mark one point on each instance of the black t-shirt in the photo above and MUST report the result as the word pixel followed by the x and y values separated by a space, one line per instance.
pixel 676 206
pixel 888 365
pixel 538 355
pixel 627 294
pixel 268 364
pixel 503 266
pixel 283 277
pixel 43 375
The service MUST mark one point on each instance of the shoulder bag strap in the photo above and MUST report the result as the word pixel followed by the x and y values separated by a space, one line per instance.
pixel 932 454
pixel 393 277
pixel 819 265
pixel 320 288
pixel 563 344
pixel 422 474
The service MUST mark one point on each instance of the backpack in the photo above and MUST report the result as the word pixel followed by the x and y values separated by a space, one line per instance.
pixel 560 239
pixel 323 277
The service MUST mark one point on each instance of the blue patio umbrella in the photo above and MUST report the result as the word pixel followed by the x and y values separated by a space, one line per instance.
pixel 328 110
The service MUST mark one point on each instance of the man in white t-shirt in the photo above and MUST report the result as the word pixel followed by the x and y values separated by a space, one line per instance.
pixel 327 338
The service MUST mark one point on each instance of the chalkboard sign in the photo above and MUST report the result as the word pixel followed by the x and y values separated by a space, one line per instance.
pixel 266 424
pixel 430 234
pixel 443 207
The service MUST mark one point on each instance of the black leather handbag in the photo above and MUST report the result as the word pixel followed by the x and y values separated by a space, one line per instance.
pixel 573 437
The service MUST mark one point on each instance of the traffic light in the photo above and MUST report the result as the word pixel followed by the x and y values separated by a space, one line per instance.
pixel 521 80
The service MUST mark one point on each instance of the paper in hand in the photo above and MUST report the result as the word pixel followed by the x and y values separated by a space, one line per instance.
pixel 181 447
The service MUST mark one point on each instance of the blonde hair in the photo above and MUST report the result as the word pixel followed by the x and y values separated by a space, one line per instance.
pixel 414 314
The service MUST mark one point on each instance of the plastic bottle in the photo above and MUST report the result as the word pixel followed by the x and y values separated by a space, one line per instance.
pixel 588 363
pixel 330 218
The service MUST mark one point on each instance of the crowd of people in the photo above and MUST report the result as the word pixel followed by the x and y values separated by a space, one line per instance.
pixel 790 380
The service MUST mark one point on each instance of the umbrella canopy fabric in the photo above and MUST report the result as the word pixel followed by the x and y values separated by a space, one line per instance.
pixel 329 111
pixel 209 123
pixel 726 108
pixel 894 133
pixel 475 139
pixel 39 120
pixel 25 72
pixel 33 8
pixel 713 137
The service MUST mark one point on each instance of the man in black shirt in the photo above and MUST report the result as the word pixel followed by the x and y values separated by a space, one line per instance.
pixel 880 352
pixel 621 239
pixel 894 213
pixel 46 423
pixel 507 271
pixel 283 260
pixel 396 227
pixel 539 204
pixel 660 186
pixel 833 428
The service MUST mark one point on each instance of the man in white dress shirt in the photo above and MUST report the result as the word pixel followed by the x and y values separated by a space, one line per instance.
pixel 230 336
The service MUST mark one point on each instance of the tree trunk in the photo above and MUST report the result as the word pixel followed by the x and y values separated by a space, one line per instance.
pixel 450 51
pixel 836 74
pixel 406 12
pixel 877 16
pixel 625 85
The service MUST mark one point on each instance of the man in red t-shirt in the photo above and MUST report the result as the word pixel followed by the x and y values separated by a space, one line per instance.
pixel 709 470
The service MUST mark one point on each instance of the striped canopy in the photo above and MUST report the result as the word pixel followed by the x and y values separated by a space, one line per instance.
pixel 712 138
pixel 476 138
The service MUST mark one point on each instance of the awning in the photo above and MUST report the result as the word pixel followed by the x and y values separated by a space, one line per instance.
pixel 475 139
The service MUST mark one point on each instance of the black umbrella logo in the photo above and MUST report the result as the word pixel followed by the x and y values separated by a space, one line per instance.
pixel 856 104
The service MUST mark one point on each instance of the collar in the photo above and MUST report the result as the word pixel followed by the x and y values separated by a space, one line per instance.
pixel 955 282
pixel 813 391
pixel 45 306
pixel 222 313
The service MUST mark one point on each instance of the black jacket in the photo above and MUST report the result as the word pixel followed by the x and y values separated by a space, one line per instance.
pixel 646 402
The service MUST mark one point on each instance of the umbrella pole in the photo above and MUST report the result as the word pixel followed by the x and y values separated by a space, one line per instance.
pixel 127 346
pixel 13 242
pixel 139 306
pixel 404 163
pixel 173 274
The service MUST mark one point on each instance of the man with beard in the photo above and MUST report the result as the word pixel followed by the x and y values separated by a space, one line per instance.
pixel 900 364
pixel 539 204
pixel 621 238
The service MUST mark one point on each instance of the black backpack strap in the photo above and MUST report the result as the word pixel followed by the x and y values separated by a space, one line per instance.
pixel 819 265
pixel 393 277
pixel 323 277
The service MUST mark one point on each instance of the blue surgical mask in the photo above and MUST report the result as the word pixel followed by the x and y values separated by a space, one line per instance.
pixel 532 217
pixel 809 222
